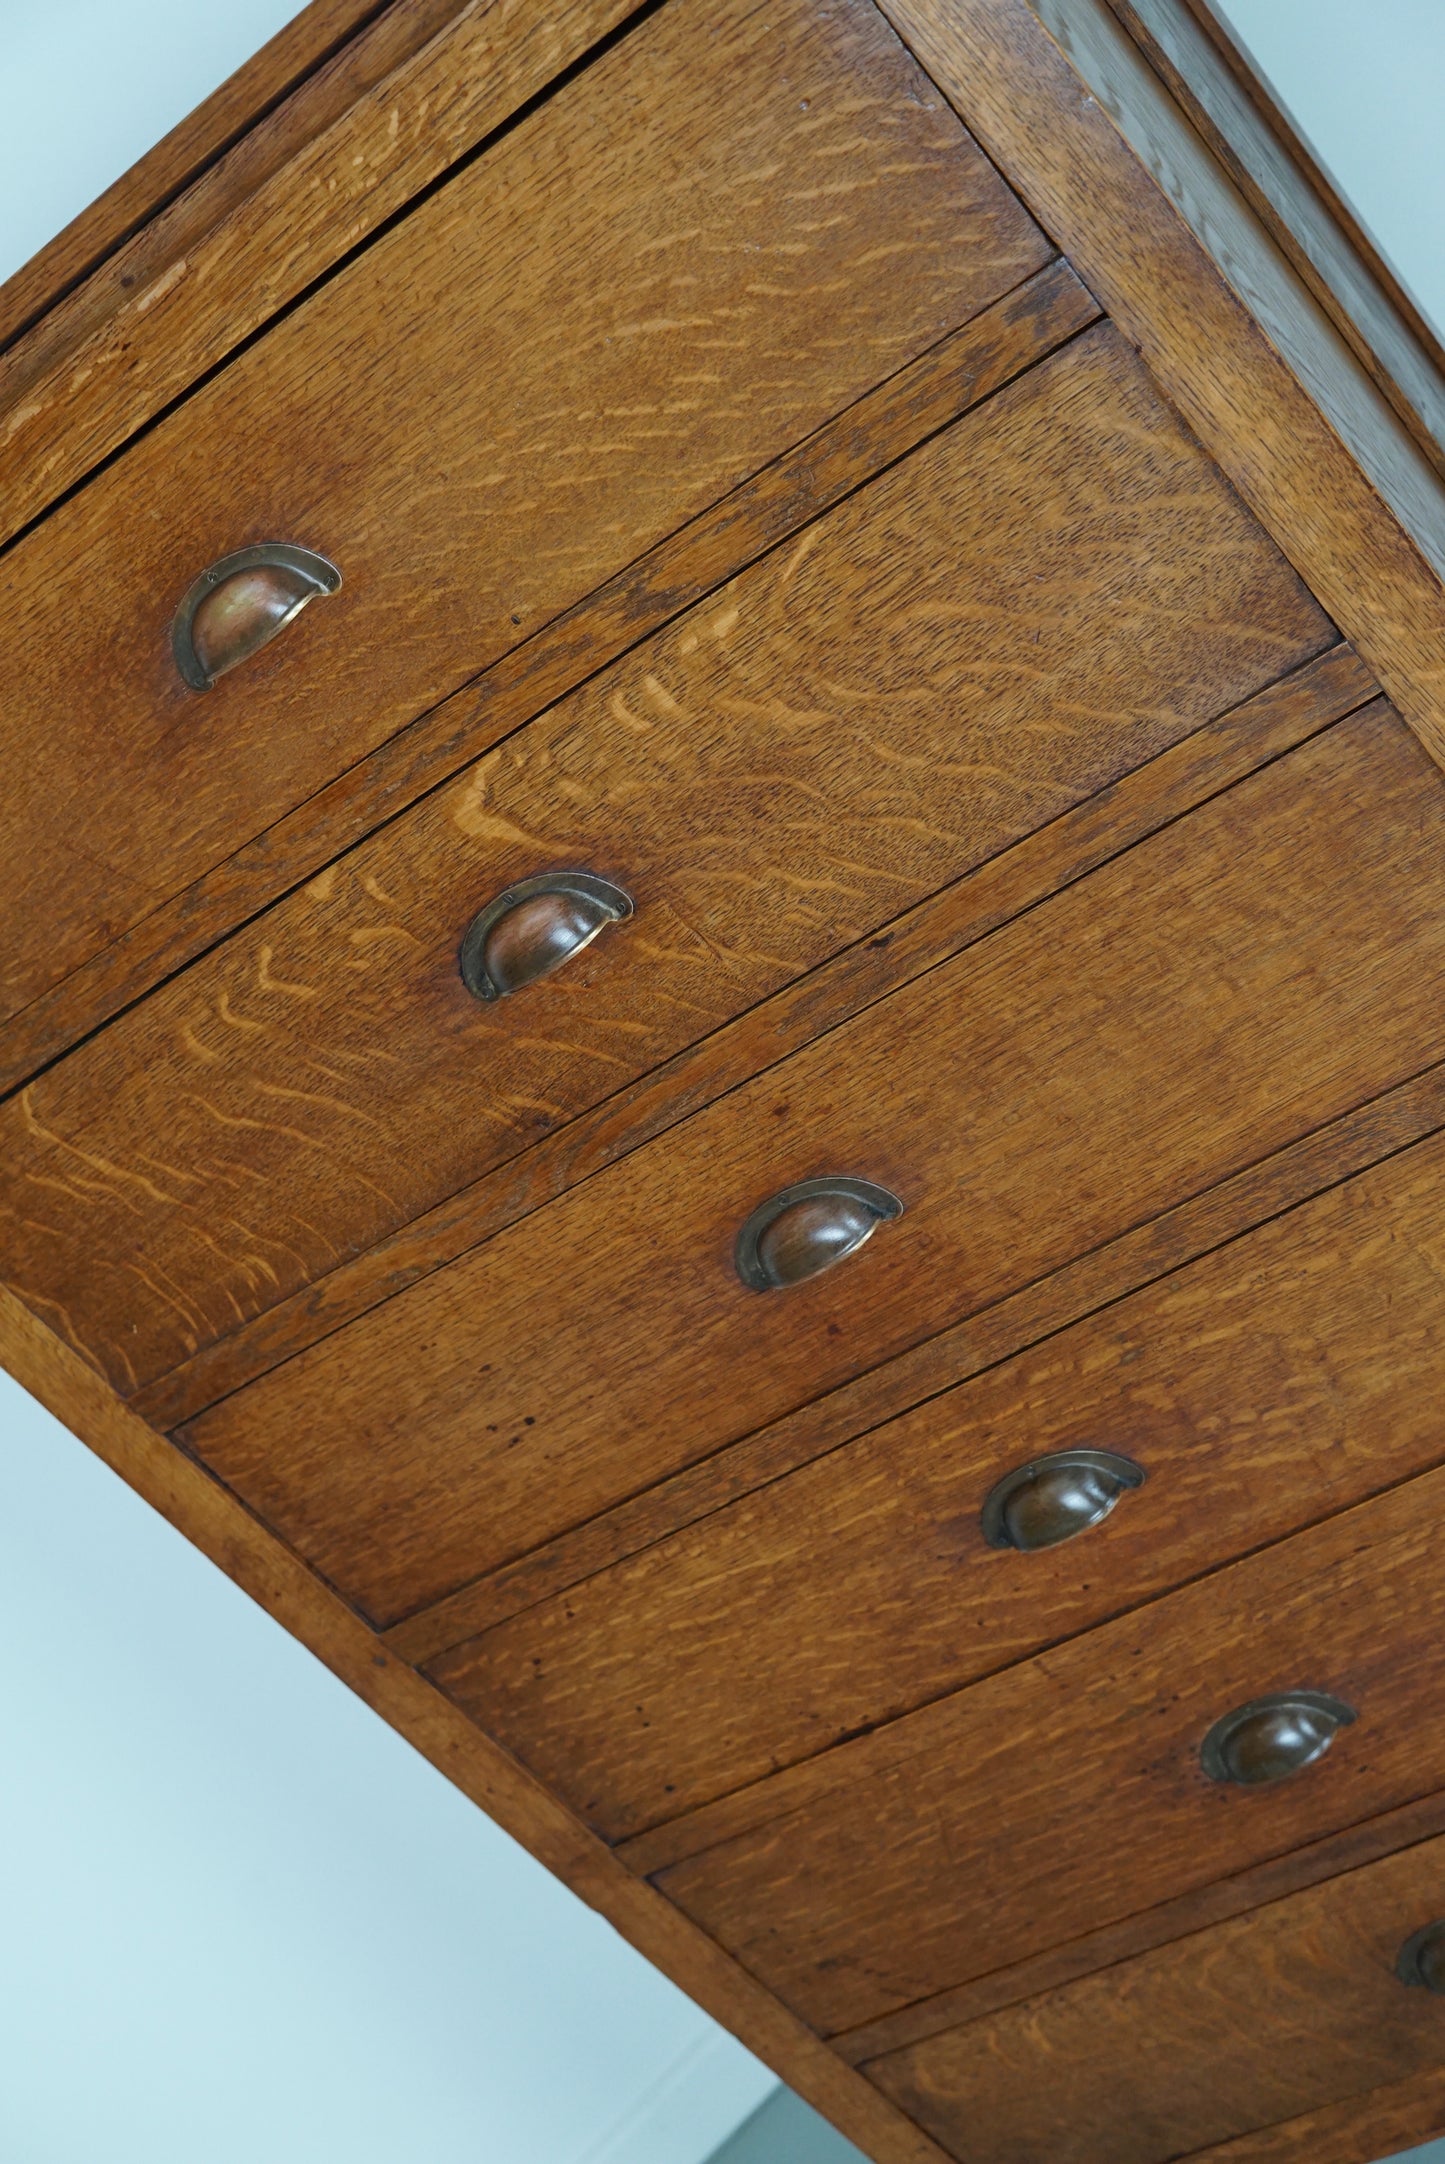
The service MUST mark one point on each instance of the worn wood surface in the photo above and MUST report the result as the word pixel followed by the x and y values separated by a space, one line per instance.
pixel 416 90
pixel 1067 1792
pixel 1382 2122
pixel 1369 547
pixel 1209 759
pixel 245 101
pixel 1256 969
pixel 1309 1865
pixel 1160 1245
pixel 273 1576
pixel 966 366
pixel 922 679
pixel 586 337
pixel 1259 2020
pixel 1284 1378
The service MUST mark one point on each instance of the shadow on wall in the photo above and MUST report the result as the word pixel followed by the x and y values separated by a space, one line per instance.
pixel 785 2131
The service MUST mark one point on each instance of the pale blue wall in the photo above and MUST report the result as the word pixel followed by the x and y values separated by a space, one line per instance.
pixel 1365 80
pixel 88 86
pixel 241 1922
pixel 784 2131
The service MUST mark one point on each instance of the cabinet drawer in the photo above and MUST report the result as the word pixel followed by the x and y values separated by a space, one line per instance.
pixel 1292 1374
pixel 1253 970
pixel 1258 2020
pixel 1069 1793
pixel 1037 600
pixel 724 230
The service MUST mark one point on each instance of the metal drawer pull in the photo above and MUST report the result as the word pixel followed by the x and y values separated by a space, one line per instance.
pixel 805 1229
pixel 530 929
pixel 1271 1738
pixel 240 604
pixel 1053 1498
pixel 1421 1960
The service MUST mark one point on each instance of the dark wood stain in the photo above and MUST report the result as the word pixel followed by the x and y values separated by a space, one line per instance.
pixel 1067 1792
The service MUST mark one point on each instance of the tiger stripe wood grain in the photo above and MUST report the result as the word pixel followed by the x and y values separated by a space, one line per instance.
pixel 1281 2012
pixel 914 684
pixel 964 367
pixel 1354 505
pixel 1066 1793
pixel 972 856
pixel 1286 940
pixel 659 280
pixel 415 89
pixel 1290 1375
pixel 1208 760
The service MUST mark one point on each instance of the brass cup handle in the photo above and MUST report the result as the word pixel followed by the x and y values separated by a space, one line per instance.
pixel 1421 1960
pixel 1270 1738
pixel 1056 1497
pixel 237 606
pixel 804 1229
pixel 528 930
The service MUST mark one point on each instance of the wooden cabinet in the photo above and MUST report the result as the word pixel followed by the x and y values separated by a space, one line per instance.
pixel 1067 1793
pixel 917 681
pixel 1292 1373
pixel 1029 1099
pixel 695 253
pixel 812 513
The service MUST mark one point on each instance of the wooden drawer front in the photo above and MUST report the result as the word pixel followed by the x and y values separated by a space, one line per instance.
pixel 1040 598
pixel 1068 1793
pixel 1292 1374
pixel 731 225
pixel 1244 975
pixel 1262 2019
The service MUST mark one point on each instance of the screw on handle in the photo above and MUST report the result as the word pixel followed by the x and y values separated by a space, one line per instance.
pixel 528 930
pixel 804 1229
pixel 239 605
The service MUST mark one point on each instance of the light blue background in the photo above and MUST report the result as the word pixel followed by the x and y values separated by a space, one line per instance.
pixel 241 1922
pixel 241 1919
pixel 1365 80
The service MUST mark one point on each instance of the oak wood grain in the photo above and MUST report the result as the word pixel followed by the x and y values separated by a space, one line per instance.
pixel 1257 968
pixel 1308 1865
pixel 965 367
pixel 1371 561
pixel 1284 1378
pixel 1382 2122
pixel 243 102
pixel 1274 2014
pixel 1333 1152
pixel 921 679
pixel 1208 760
pixel 591 333
pixel 414 91
pixel 1252 265
pixel 274 1577
pixel 1066 1793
